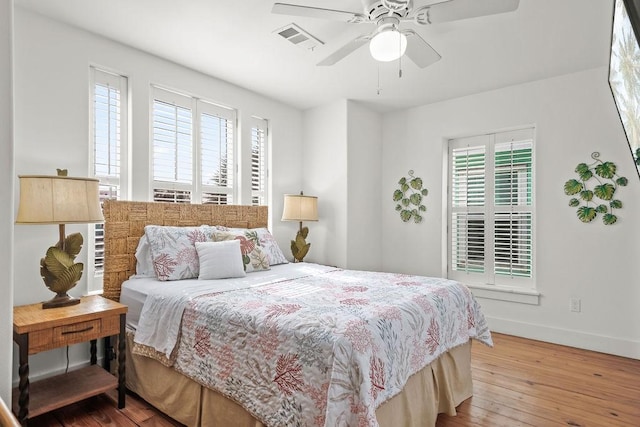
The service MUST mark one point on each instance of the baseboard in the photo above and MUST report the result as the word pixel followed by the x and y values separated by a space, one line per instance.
pixel 568 337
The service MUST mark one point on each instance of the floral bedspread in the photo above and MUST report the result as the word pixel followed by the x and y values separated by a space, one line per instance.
pixel 324 350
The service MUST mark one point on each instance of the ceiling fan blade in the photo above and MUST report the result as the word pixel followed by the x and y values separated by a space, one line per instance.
pixel 344 50
pixel 464 9
pixel 419 51
pixel 316 12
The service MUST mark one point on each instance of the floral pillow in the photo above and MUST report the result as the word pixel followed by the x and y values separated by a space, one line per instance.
pixel 173 250
pixel 265 240
pixel 268 244
pixel 253 257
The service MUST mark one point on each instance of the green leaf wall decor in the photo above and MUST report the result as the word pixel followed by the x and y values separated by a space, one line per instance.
pixel 599 198
pixel 409 198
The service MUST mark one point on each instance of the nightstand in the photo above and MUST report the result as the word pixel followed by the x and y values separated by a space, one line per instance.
pixel 36 330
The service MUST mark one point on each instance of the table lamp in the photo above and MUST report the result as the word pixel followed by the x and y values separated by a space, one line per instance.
pixel 60 200
pixel 300 208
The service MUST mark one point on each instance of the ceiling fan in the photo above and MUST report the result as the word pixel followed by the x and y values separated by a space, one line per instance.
pixel 387 41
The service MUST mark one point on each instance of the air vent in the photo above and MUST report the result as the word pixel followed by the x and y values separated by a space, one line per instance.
pixel 298 37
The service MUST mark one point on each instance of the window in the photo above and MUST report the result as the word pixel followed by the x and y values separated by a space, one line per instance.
pixel 258 161
pixel 108 152
pixel 193 150
pixel 491 209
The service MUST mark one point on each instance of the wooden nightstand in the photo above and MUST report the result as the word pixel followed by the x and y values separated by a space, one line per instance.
pixel 36 330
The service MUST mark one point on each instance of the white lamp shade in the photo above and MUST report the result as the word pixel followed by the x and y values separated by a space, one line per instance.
pixel 300 208
pixel 58 200
pixel 388 45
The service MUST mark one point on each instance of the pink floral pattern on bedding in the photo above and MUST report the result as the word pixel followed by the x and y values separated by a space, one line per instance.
pixel 253 256
pixel 262 238
pixel 173 250
pixel 324 350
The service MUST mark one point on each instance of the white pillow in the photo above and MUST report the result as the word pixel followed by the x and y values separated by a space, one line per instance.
pixel 144 263
pixel 220 260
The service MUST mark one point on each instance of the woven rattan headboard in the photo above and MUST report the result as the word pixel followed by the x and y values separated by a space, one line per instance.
pixel 124 225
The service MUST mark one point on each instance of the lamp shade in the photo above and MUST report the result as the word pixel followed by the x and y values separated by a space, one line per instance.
pixel 388 45
pixel 298 207
pixel 58 200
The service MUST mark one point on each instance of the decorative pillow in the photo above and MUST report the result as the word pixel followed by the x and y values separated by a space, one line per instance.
pixel 220 260
pixel 263 238
pixel 253 257
pixel 144 263
pixel 269 245
pixel 173 251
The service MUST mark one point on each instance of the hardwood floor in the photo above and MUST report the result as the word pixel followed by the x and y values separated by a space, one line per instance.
pixel 522 382
pixel 102 411
pixel 519 382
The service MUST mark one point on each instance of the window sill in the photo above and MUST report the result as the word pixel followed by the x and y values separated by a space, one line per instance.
pixel 505 293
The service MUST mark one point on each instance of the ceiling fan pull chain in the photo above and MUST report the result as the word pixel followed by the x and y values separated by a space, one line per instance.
pixel 378 79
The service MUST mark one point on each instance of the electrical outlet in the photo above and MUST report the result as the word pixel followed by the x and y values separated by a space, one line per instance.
pixel 574 305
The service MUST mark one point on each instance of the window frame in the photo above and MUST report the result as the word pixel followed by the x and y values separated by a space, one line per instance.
pixel 488 279
pixel 260 125
pixel 104 77
pixel 197 106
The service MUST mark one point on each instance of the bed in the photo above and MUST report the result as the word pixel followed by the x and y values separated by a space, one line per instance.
pixel 295 344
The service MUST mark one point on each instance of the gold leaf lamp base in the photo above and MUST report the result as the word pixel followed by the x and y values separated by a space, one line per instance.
pixel 61 300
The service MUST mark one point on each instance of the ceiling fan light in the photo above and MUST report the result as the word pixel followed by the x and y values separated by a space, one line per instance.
pixel 388 45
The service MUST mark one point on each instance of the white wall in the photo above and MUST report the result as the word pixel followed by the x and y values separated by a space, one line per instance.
pixel 52 131
pixel 341 164
pixel 364 178
pixel 6 208
pixel 324 174
pixel 574 115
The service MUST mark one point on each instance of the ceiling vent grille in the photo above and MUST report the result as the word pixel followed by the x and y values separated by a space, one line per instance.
pixel 298 37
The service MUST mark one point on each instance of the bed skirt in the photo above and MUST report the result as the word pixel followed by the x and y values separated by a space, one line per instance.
pixel 437 388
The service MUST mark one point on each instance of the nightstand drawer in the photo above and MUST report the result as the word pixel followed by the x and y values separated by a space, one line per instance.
pixel 59 336
pixel 77 332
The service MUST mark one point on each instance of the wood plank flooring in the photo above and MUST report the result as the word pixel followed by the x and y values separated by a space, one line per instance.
pixel 102 411
pixel 519 382
pixel 522 382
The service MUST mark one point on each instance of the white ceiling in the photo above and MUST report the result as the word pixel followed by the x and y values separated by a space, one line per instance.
pixel 234 41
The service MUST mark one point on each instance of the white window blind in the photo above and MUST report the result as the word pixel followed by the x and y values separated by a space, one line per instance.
pixel 217 153
pixel 513 231
pixel 468 208
pixel 491 209
pixel 172 130
pixel 193 150
pixel 108 151
pixel 258 161
pixel 172 143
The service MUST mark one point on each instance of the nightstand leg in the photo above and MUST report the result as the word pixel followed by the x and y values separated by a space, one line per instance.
pixel 121 363
pixel 93 351
pixel 23 385
pixel 106 362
